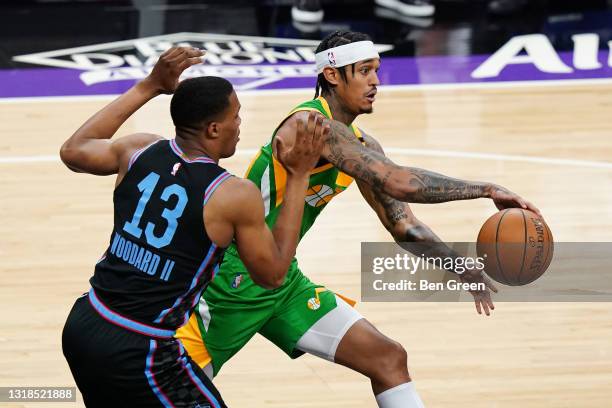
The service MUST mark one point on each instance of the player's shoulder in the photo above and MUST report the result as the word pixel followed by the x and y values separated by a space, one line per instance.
pixel 135 141
pixel 125 147
pixel 236 198
pixel 299 115
pixel 237 190
pixel 370 141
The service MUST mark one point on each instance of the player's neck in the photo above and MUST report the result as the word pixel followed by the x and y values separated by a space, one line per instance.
pixel 192 148
pixel 338 110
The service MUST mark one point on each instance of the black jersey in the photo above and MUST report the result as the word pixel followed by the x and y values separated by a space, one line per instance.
pixel 160 258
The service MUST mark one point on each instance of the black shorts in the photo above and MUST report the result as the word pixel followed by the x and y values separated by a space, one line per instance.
pixel 115 367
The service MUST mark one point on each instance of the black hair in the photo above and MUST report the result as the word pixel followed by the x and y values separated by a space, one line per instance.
pixel 335 39
pixel 197 101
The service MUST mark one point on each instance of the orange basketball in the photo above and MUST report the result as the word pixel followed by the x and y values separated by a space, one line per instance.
pixel 517 246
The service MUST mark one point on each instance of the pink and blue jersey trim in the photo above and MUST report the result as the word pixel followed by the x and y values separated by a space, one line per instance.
pixel 126 323
pixel 214 184
pixel 177 150
pixel 203 267
pixel 161 395
pixel 163 398
pixel 137 154
pixel 196 380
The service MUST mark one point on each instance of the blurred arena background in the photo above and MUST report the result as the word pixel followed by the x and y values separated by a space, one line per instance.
pixel 515 92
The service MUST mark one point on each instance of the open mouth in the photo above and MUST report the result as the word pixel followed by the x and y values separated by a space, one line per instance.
pixel 371 96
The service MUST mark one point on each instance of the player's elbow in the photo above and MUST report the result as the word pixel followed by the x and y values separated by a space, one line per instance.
pixel 69 156
pixel 269 281
pixel 272 278
pixel 410 231
pixel 401 190
pixel 277 277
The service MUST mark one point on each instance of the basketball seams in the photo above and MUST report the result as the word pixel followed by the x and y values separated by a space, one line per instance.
pixel 549 247
pixel 501 270
pixel 524 248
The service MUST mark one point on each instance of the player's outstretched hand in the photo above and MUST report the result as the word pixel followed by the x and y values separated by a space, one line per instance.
pixel 303 156
pixel 482 298
pixel 164 77
pixel 504 198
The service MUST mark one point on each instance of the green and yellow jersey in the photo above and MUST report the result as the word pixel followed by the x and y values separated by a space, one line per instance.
pixel 325 182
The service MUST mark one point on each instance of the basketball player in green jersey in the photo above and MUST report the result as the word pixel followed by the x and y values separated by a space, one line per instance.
pixel 302 316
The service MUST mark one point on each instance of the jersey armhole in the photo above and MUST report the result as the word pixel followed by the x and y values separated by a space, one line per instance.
pixel 137 154
pixel 214 185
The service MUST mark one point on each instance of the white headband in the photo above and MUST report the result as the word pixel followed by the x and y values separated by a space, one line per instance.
pixel 345 55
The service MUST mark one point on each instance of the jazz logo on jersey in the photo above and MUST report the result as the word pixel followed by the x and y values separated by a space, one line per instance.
pixel 175 168
pixel 319 195
pixel 237 281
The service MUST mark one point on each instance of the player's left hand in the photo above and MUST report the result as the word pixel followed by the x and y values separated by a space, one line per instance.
pixel 504 198
pixel 164 77
pixel 482 298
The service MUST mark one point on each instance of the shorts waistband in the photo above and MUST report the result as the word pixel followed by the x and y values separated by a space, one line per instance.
pixel 124 322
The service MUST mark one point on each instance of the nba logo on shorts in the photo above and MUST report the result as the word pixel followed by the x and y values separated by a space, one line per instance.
pixel 332 58
pixel 237 280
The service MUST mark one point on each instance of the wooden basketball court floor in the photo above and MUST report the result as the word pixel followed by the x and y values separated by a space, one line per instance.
pixel 549 143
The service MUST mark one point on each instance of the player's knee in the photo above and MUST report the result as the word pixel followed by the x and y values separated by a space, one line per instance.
pixel 392 361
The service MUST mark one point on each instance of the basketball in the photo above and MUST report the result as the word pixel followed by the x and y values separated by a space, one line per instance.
pixel 517 246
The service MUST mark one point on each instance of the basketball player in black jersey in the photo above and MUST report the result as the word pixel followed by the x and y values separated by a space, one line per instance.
pixel 175 210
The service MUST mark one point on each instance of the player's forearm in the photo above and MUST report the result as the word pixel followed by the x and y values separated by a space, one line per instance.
pixel 408 184
pixel 420 240
pixel 105 123
pixel 428 187
pixel 410 233
pixel 286 230
pixel 411 184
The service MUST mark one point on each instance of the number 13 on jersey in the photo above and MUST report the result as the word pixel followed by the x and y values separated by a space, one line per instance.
pixel 147 187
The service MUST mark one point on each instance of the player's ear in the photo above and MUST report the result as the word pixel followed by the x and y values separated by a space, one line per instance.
pixel 212 130
pixel 331 75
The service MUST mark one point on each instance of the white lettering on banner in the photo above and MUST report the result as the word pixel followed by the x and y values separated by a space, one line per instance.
pixel 586 47
pixel 540 52
pixel 231 56
pixel 256 72
pixel 98 61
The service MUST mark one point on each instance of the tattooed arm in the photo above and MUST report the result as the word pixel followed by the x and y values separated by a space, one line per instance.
pixel 416 237
pixel 396 216
pixel 408 184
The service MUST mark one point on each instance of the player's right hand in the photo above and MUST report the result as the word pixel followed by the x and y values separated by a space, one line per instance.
pixel 504 198
pixel 164 77
pixel 303 156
